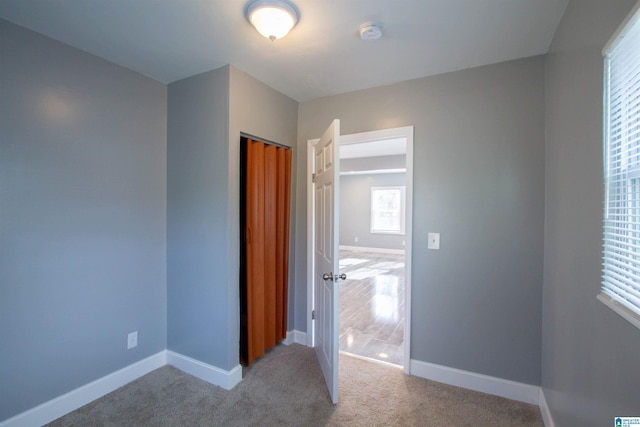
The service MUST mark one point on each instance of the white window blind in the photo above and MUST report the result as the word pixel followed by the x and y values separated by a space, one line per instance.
pixel 621 266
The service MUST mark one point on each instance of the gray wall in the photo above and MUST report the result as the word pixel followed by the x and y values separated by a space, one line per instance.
pixel 355 210
pixel 206 115
pixel 589 354
pixel 197 185
pixel 256 109
pixel 83 167
pixel 479 181
pixel 82 218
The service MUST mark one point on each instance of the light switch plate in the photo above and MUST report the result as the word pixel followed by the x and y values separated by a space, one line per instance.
pixel 132 340
pixel 434 241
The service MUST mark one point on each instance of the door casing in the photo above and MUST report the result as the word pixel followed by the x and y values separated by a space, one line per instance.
pixel 400 132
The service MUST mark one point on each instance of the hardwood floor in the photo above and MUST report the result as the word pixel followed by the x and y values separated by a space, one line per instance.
pixel 372 305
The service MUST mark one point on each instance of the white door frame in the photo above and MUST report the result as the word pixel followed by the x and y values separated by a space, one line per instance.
pixel 400 132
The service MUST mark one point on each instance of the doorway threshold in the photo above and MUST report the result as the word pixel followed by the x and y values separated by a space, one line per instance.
pixel 369 359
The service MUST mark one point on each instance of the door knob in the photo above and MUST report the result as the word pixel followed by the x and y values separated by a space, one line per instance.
pixel 334 277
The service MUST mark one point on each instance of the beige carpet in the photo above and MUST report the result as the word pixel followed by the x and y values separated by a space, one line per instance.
pixel 286 388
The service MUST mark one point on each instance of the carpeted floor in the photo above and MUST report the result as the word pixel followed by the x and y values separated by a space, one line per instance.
pixel 286 388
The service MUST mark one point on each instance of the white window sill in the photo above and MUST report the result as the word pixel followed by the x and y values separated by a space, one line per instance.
pixel 620 309
pixel 396 233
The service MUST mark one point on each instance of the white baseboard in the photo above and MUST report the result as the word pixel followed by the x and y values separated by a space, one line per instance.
pixel 374 250
pixel 61 405
pixel 478 382
pixel 544 410
pixel 204 371
pixel 289 339
pixel 295 336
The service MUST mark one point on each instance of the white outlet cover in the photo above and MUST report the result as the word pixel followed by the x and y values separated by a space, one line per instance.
pixel 434 241
pixel 132 340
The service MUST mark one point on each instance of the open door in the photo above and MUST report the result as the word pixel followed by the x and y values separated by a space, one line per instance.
pixel 326 254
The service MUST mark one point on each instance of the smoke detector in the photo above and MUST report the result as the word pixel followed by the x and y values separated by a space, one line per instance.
pixel 370 31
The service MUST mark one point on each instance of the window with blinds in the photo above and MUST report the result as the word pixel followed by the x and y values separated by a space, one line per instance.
pixel 621 266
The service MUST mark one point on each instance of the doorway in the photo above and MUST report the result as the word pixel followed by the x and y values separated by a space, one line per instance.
pixel 372 241
pixel 393 282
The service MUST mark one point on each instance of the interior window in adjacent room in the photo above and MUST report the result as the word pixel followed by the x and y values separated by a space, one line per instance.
pixel 387 210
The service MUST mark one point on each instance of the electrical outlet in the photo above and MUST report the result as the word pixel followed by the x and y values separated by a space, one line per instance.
pixel 356 240
pixel 132 340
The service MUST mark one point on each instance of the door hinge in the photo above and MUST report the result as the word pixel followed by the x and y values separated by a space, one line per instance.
pixel 313 177
pixel 313 315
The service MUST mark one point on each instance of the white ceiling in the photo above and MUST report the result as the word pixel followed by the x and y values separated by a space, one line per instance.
pixel 383 147
pixel 323 55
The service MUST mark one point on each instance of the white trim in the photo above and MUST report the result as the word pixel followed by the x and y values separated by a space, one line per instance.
pixel 63 404
pixel 204 371
pixel 374 250
pixel 374 172
pixel 310 213
pixel 295 336
pixel 547 419
pixel 620 309
pixel 300 337
pixel 408 248
pixel 377 135
pixel 289 339
pixel 622 29
pixel 478 382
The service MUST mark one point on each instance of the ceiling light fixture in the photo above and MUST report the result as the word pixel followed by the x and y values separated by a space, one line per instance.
pixel 272 18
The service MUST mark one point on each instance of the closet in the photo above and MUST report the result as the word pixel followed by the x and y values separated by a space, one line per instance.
pixel 265 194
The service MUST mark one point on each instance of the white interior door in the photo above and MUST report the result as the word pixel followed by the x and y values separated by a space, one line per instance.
pixel 326 254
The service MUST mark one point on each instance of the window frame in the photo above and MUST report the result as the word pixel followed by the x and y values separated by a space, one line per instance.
pixel 621 217
pixel 401 211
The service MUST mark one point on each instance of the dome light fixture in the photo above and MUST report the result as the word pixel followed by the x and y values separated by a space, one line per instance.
pixel 272 18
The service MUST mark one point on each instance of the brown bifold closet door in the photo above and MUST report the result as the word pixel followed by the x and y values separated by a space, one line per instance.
pixel 265 249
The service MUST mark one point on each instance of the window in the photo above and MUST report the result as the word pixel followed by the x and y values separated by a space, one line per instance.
pixel 387 210
pixel 621 266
